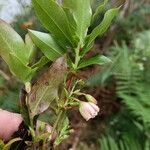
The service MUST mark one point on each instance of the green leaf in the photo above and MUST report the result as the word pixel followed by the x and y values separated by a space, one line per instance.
pixel 30 46
pixel 99 9
pixel 44 60
pixel 19 69
pixel 11 42
pixel 14 52
pixel 9 101
pixel 47 44
pixel 82 13
pixel 71 19
pixel 54 20
pixel 99 60
pixel 64 132
pixel 45 117
pixel 100 29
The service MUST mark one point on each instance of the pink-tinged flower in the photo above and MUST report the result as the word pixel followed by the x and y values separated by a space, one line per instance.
pixel 88 110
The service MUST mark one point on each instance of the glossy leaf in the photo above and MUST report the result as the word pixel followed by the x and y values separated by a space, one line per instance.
pixel 45 90
pixel 14 52
pixel 82 13
pixel 99 9
pixel 100 29
pixel 54 20
pixel 11 42
pixel 43 60
pixel 71 19
pixel 20 70
pixel 99 60
pixel 47 44
pixel 30 47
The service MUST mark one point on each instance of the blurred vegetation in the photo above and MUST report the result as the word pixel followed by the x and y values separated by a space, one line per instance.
pixel 124 122
pixel 129 71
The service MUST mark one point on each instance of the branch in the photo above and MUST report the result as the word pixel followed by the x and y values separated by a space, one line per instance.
pixel 4 75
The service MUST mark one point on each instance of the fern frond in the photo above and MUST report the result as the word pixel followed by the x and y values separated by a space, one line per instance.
pixel 136 107
pixel 108 143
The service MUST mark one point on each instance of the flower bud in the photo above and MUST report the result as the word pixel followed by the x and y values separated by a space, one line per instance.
pixel 88 110
pixel 28 87
pixel 90 98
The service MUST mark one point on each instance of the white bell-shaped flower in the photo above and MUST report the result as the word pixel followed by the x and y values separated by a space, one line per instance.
pixel 88 110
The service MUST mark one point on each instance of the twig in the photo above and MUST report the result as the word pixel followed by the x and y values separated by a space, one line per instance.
pixel 4 75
